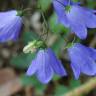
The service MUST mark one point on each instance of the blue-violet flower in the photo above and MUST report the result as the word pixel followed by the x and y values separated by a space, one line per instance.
pixel 45 65
pixel 75 17
pixel 83 60
pixel 10 25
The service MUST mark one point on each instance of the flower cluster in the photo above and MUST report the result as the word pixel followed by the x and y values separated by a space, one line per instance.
pixel 73 16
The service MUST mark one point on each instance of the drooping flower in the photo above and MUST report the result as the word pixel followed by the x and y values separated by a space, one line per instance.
pixel 83 60
pixel 45 65
pixel 75 17
pixel 10 25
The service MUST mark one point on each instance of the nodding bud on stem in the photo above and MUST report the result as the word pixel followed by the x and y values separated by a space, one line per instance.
pixel 32 46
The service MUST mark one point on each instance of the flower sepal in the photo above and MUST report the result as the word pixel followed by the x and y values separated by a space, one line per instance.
pixel 69 45
pixel 20 13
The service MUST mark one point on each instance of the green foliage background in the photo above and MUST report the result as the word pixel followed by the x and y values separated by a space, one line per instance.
pixel 21 61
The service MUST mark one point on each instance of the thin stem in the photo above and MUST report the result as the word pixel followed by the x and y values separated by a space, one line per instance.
pixel 46 27
pixel 83 89
pixel 27 9
pixel 73 40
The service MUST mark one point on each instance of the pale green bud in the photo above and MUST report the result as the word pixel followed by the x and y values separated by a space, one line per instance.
pixel 32 46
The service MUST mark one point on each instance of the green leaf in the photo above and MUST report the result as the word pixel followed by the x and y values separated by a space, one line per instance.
pixel 44 4
pixel 56 77
pixel 29 36
pixel 76 0
pixel 55 26
pixel 32 81
pixel 22 61
pixel 61 90
pixel 74 83
pixel 91 4
pixel 58 45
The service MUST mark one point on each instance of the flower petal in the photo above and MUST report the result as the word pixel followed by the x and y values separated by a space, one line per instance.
pixel 9 15
pixel 87 65
pixel 85 15
pixel 79 29
pixel 32 68
pixel 76 23
pixel 45 71
pixel 56 64
pixel 60 11
pixel 76 70
pixel 89 51
pixel 63 2
pixel 11 30
pixel 92 53
pixel 88 17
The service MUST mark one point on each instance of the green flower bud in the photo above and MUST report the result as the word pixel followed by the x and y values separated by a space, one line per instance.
pixel 32 46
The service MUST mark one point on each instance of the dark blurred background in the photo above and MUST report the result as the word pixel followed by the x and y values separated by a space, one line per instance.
pixel 14 63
